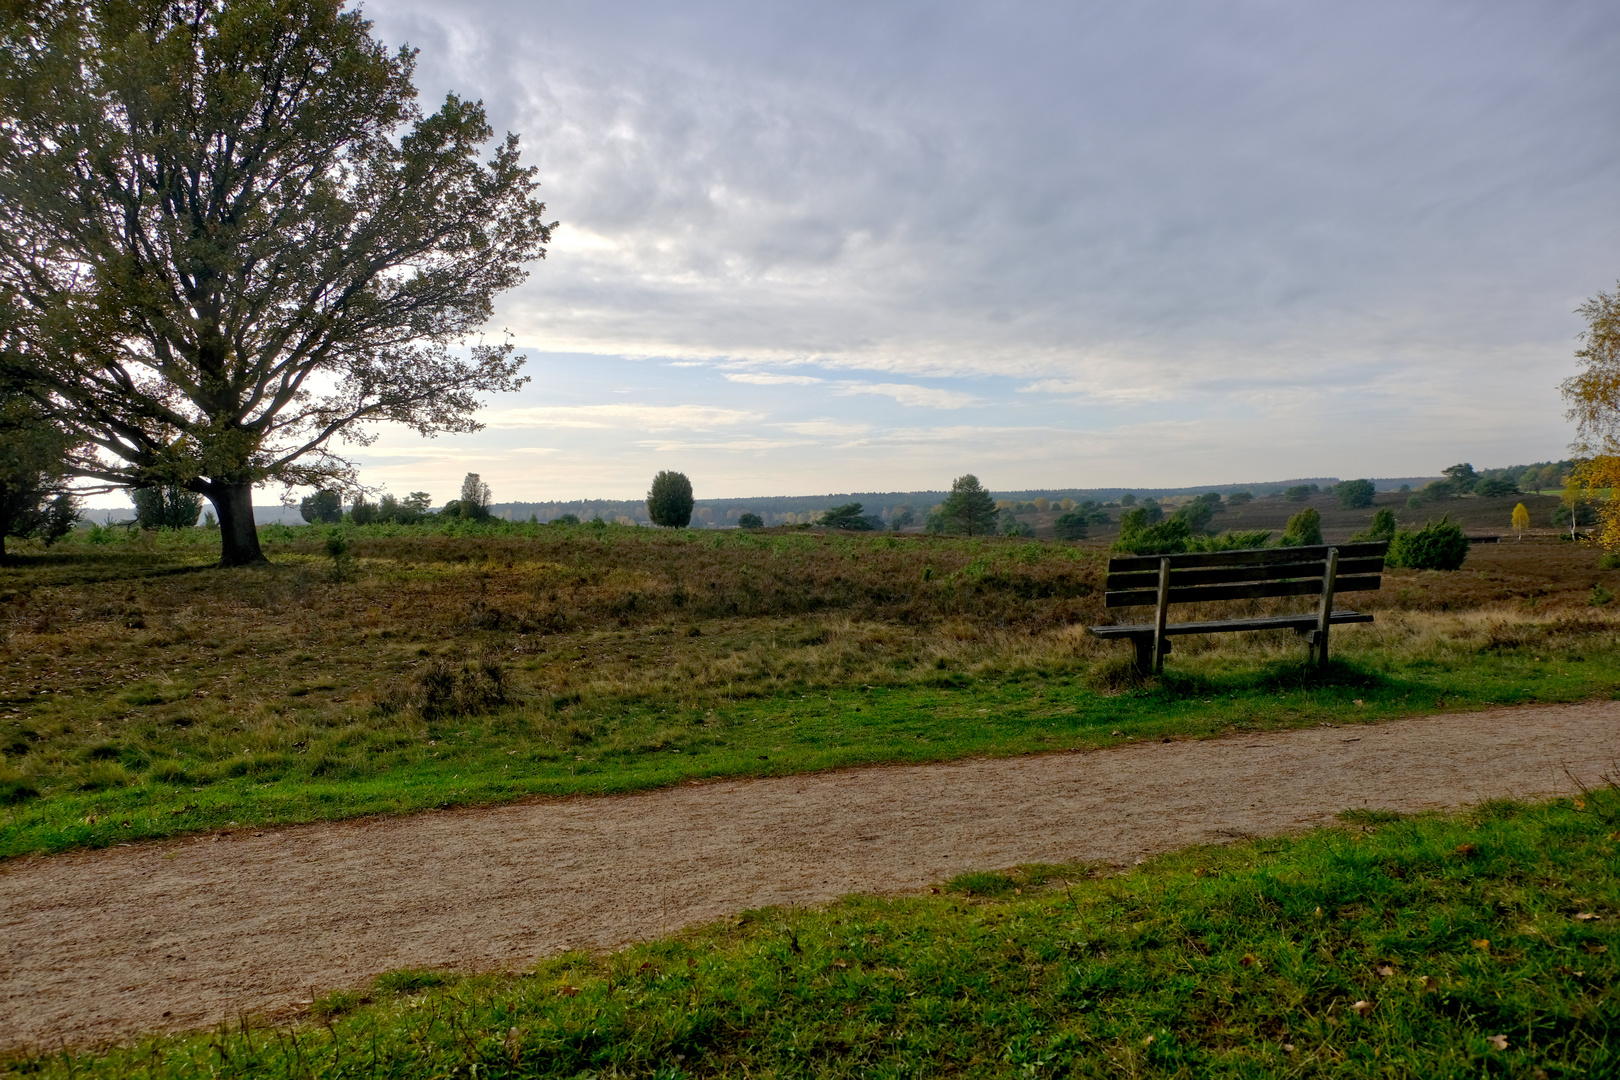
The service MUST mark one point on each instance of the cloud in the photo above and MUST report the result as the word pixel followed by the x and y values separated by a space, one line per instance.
pixel 766 379
pixel 909 394
pixel 634 417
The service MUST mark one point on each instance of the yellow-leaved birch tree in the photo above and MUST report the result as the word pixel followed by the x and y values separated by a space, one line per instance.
pixel 1594 397
pixel 1521 520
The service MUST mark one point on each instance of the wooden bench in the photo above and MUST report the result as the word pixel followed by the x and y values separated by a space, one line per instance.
pixel 1201 577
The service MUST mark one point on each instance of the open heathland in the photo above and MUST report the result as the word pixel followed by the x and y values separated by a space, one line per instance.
pixel 390 668
pixel 1483 943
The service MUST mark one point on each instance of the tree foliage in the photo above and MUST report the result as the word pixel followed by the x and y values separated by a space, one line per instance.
pixel 1382 527
pixel 229 236
pixel 1521 519
pixel 750 521
pixel 968 509
pixel 669 500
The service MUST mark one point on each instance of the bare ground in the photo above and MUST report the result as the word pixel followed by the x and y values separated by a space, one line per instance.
pixel 103 945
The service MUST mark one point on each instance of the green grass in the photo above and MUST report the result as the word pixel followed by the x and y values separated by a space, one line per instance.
pixel 142 696
pixel 1480 944
pixel 507 755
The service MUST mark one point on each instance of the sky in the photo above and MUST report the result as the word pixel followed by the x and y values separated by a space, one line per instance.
pixel 832 247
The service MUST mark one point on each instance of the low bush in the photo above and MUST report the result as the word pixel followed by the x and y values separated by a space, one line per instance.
pixel 1382 528
pixel 1439 545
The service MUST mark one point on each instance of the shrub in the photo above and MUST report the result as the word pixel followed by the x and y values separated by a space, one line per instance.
pixel 1196 514
pixel 669 500
pixel 1231 540
pixel 565 519
pixel 1165 538
pixel 1496 486
pixel 1356 494
pixel 1304 529
pixel 1584 513
pixel 1298 493
pixel 1239 498
pixel 1439 545
pixel 751 521
pixel 1382 527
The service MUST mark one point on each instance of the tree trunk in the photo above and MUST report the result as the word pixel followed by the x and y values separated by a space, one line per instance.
pixel 238 534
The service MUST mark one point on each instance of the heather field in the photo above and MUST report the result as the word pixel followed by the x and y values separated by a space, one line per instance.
pixel 386 669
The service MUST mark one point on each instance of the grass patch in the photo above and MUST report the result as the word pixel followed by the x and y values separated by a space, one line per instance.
pixel 145 694
pixel 1477 944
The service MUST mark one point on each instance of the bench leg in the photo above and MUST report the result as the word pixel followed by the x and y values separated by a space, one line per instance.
pixel 1145 665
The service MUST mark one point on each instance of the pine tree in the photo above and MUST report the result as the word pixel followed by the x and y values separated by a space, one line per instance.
pixel 969 508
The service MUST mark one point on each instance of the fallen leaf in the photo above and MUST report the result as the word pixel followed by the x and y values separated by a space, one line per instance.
pixel 1580 804
pixel 1362 1008
pixel 1614 836
pixel 568 991
pixel 1595 950
pixel 840 964
pixel 1118 733
pixel 1466 849
pixel 1483 944
pixel 1359 703
pixel 1248 960
pixel 1498 1041
pixel 1148 1041
pixel 1427 983
pixel 1288 1048
pixel 514 1045
pixel 1586 916
pixel 1385 970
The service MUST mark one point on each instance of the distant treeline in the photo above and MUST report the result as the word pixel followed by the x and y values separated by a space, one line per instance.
pixel 803 509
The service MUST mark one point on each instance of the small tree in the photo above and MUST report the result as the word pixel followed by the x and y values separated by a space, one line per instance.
pixel 35 500
pixel 669 500
pixel 363 512
pixel 969 508
pixel 1298 493
pixel 1071 526
pixel 1521 520
pixel 166 507
pixel 1356 494
pixel 901 516
pixel 750 521
pixel 1382 527
pixel 1239 498
pixel 1304 529
pixel 1127 499
pixel 1462 477
pixel 323 507
pixel 847 517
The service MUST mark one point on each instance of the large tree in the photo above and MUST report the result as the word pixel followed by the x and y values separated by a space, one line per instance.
pixel 229 237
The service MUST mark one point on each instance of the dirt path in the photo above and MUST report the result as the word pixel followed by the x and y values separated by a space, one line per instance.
pixel 106 944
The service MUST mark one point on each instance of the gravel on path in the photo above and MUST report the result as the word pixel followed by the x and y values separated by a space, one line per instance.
pixel 104 945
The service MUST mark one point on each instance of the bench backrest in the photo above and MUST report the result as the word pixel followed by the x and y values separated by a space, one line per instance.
pixel 1197 576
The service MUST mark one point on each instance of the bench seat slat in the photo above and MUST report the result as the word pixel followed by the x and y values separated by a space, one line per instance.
pixel 1149 579
pixel 1258 556
pixel 1263 622
pixel 1198 594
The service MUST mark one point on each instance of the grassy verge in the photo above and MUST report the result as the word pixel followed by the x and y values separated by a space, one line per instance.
pixel 143 695
pixel 1482 944
pixel 639 745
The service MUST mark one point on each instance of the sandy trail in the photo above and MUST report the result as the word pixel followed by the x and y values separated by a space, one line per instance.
pixel 103 945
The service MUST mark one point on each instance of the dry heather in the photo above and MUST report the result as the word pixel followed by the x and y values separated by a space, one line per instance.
pixel 127 659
